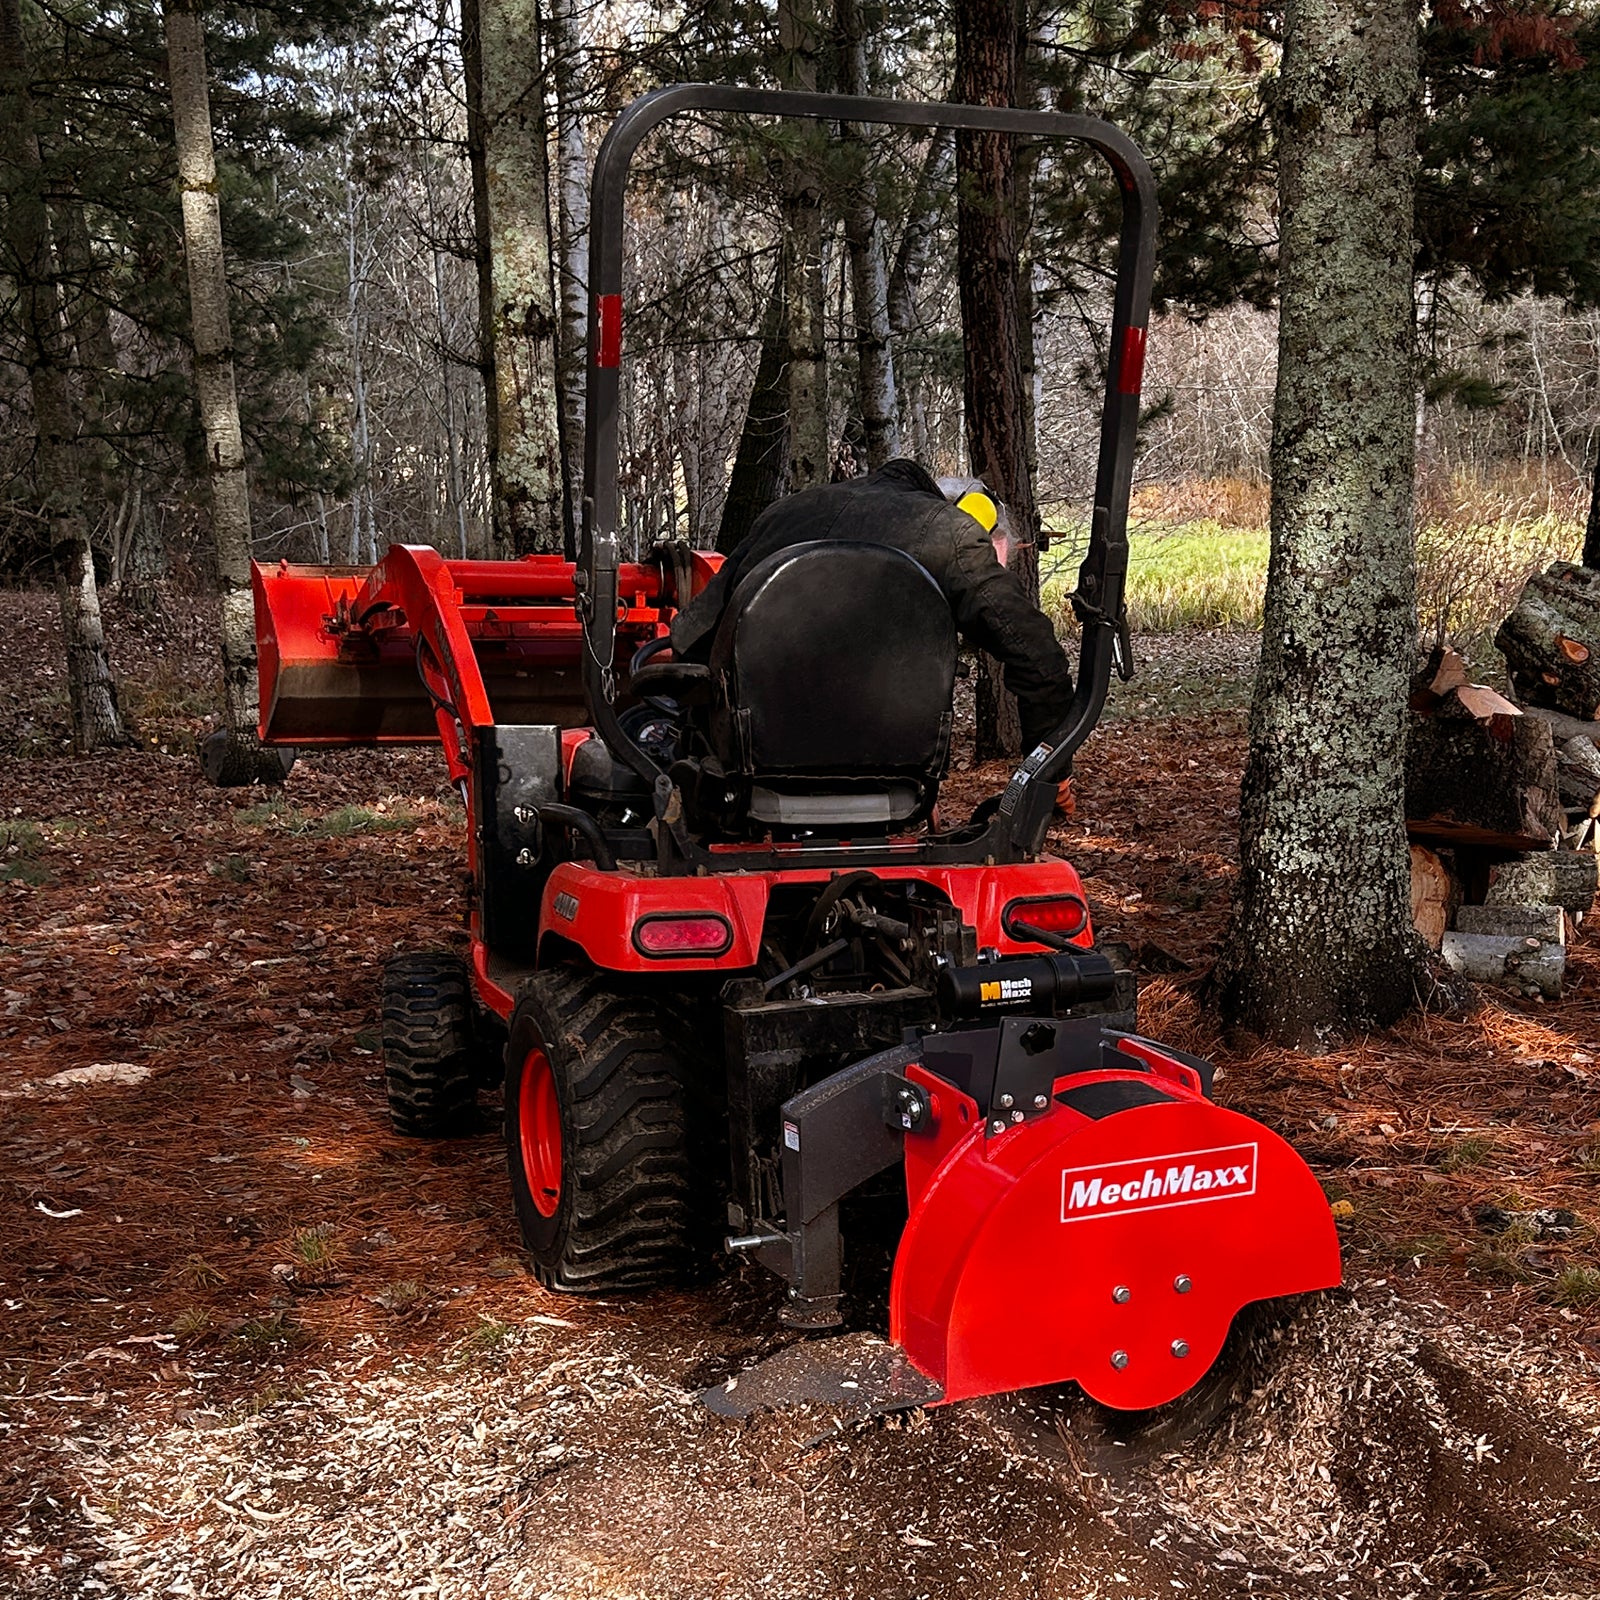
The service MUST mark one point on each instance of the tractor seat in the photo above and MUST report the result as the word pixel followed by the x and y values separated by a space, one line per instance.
pixel 833 668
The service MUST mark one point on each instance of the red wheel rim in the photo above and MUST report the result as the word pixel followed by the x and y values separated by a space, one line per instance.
pixel 539 1131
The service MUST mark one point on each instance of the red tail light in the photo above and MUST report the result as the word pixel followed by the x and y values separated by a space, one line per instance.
pixel 1062 914
pixel 693 933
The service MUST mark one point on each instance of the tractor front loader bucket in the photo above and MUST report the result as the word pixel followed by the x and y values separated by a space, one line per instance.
pixel 405 652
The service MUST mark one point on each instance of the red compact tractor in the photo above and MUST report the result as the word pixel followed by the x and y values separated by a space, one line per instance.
pixel 735 965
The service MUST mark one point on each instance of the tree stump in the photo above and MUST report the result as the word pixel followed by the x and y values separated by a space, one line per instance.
pixel 1551 641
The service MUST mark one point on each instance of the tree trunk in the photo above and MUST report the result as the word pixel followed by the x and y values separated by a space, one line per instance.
pixel 869 276
pixel 45 355
pixel 758 467
pixel 1321 937
pixel 572 219
pixel 507 150
pixel 986 251
pixel 1591 532
pixel 805 282
pixel 363 546
pixel 910 262
pixel 243 761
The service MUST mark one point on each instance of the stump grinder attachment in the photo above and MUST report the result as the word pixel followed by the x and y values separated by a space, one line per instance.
pixel 725 963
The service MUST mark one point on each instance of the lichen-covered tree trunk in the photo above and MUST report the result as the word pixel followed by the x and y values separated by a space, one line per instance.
pixel 45 355
pixel 506 145
pixel 1322 937
pixel 869 273
pixel 986 253
pixel 805 281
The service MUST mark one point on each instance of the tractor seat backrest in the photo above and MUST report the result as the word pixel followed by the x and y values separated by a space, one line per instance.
pixel 834 664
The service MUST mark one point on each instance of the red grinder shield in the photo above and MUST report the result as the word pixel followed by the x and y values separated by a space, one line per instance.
pixel 1114 1252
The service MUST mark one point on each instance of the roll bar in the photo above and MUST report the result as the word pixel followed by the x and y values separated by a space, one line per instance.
pixel 1025 808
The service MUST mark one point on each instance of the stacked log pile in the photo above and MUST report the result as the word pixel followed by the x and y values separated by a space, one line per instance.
pixel 1497 809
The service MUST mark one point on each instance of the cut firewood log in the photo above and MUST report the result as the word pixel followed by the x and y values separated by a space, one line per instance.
pixel 1547 924
pixel 1578 774
pixel 1526 964
pixel 1561 725
pixel 1565 878
pixel 1478 772
pixel 1435 894
pixel 1551 641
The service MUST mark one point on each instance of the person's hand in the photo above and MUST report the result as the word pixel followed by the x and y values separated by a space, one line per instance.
pixel 1066 801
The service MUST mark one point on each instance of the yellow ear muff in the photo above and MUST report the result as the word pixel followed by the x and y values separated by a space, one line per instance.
pixel 980 508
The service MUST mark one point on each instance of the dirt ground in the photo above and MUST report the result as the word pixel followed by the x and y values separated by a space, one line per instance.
pixel 255 1345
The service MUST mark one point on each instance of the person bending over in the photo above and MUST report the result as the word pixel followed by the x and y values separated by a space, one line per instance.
pixel 962 546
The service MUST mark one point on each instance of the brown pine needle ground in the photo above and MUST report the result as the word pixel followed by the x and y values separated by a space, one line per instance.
pixel 256 1345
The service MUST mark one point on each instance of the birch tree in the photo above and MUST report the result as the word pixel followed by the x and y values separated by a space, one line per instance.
pixel 869 275
pixel 232 757
pixel 1322 938
pixel 506 141
pixel 46 356
pixel 572 232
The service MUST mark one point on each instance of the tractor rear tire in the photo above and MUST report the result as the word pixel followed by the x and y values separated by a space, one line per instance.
pixel 430 1066
pixel 600 1136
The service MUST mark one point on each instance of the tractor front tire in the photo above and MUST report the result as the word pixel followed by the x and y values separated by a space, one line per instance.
pixel 599 1130
pixel 429 1050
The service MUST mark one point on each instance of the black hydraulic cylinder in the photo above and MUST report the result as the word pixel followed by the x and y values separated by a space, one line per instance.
pixel 1043 983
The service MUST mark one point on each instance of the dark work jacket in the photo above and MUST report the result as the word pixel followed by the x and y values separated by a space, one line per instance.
pixel 900 505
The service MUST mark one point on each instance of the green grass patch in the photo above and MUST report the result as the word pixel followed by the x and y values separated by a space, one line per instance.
pixel 1205 575
pixel 315 1246
pixel 340 824
pixel 1578 1288
pixel 349 820
pixel 1189 576
pixel 271 1332
pixel 1467 1153
pixel 490 1337
pixel 21 845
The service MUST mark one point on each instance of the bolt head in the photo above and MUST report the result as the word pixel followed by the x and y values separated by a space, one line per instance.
pixel 1122 1294
pixel 997 1126
pixel 1005 1102
pixel 1018 1116
pixel 1119 1359
pixel 1040 1101
pixel 1182 1284
pixel 1180 1348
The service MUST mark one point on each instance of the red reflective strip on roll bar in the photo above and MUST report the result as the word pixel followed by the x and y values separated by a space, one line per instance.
pixel 1130 370
pixel 608 337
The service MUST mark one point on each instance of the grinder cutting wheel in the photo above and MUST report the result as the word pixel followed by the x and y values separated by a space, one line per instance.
pixel 724 960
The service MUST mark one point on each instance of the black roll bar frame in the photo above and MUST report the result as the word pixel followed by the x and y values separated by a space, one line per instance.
pixel 1019 824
